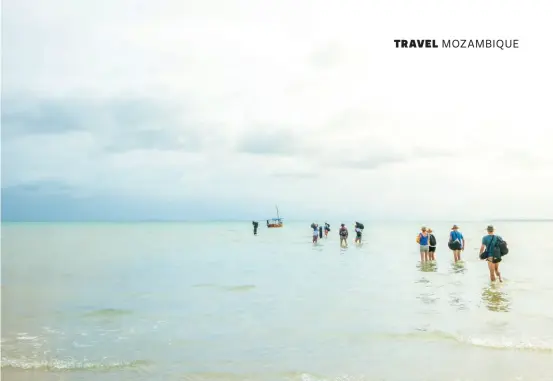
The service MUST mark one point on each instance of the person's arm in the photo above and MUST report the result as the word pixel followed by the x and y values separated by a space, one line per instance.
pixel 483 246
pixel 464 243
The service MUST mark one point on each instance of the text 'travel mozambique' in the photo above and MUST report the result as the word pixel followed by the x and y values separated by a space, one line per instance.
pixel 457 44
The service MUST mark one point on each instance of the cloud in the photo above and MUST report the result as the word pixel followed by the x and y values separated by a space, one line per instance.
pixel 262 140
pixel 327 56
pixel 371 162
pixel 47 187
pixel 117 124
pixel 30 202
pixel 213 103
pixel 296 175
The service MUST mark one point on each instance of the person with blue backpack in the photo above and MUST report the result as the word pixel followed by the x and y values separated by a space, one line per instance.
pixel 456 243
pixel 493 248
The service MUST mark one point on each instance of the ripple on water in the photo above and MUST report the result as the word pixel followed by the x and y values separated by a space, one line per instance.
pixel 71 364
pixel 107 313
pixel 243 287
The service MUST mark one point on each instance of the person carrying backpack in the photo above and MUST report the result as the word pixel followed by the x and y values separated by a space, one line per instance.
pixel 343 232
pixel 492 249
pixel 431 245
pixel 315 232
pixel 456 243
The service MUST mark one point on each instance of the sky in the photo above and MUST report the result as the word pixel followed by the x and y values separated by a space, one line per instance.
pixel 188 110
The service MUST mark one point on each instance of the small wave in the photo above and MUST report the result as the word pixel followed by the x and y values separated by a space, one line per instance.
pixel 27 338
pixel 108 312
pixel 244 287
pixel 491 343
pixel 287 376
pixel 51 330
pixel 69 364
pixel 510 344
pixel 218 376
pixel 205 285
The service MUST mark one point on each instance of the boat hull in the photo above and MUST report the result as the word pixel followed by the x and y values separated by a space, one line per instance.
pixel 275 225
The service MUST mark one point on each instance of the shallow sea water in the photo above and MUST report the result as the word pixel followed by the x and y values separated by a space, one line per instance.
pixel 174 301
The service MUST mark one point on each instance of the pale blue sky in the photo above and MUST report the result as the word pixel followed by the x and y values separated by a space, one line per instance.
pixel 119 109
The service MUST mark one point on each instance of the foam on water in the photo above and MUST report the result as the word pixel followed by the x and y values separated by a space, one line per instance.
pixel 69 364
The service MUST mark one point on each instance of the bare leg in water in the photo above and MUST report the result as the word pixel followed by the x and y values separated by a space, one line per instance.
pixel 432 256
pixel 457 255
pixel 494 270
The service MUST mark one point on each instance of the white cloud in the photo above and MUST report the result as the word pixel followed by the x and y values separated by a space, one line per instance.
pixel 381 131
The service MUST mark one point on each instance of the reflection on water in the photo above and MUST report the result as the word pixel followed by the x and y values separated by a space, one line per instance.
pixel 455 300
pixel 427 267
pixel 495 299
pixel 457 267
pixel 428 298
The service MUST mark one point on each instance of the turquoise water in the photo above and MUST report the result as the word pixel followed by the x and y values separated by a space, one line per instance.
pixel 185 301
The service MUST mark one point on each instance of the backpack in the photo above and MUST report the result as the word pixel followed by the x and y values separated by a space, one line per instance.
pixel 502 246
pixel 343 232
pixel 432 240
pixel 499 249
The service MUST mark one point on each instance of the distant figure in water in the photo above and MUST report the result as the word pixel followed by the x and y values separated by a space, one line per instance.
pixel 343 235
pixel 491 252
pixel 456 243
pixel 315 232
pixel 320 232
pixel 327 229
pixel 358 236
pixel 267 223
pixel 422 240
pixel 432 247
pixel 255 225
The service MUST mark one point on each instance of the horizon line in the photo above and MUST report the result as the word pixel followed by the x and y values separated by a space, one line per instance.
pixel 150 220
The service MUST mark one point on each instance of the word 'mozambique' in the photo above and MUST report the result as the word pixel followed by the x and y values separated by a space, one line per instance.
pixel 463 44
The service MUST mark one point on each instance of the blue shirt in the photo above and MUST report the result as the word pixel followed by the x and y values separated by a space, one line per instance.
pixel 487 240
pixel 424 240
pixel 456 234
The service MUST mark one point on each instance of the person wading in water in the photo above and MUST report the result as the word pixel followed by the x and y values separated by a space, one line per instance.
pixel 422 240
pixel 315 228
pixel 456 243
pixel 492 249
pixel 343 235
pixel 432 245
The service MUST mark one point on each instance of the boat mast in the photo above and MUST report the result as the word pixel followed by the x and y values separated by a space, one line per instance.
pixel 278 216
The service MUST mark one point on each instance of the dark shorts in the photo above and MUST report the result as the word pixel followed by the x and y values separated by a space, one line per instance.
pixel 432 249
